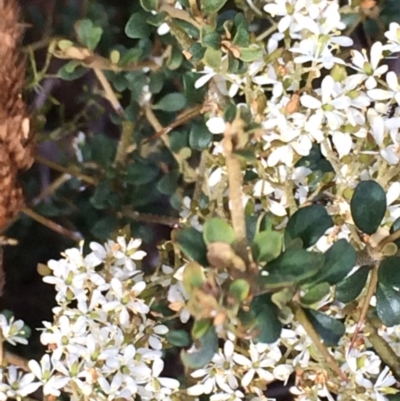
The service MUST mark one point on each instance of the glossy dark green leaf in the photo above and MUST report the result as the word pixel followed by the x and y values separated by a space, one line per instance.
pixel 104 227
pixel 340 259
pixel 389 271
pixel 210 38
pixel 350 288
pixel 191 243
pixel 71 71
pixel 149 5
pixel 172 102
pixel 137 26
pixel 213 58
pixel 395 226
pixel 267 245
pixel 268 326
pixel 388 305
pixel 218 230
pixel 293 266
pixel 140 173
pixel 309 224
pixel 330 329
pixel 212 6
pixel 316 293
pixel 168 184
pixel 208 346
pixel 178 338
pixel 200 136
pixel 368 206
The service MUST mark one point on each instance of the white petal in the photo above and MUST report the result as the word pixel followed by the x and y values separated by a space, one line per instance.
pixel 248 377
pixel 343 143
pixel 216 125
pixel 276 208
pixel 310 102
pixel 379 94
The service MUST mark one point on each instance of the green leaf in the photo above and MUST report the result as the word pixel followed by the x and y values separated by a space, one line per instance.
pixel 213 58
pixel 88 34
pixel 268 326
pixel 389 271
pixel 172 102
pixel 200 137
pixel 149 5
pixel 249 54
pixel 308 223
pixel 368 206
pixel 207 348
pixel 340 259
pixel 168 184
pixel 71 71
pixel 350 288
pixel 137 26
pixel 293 266
pixel 388 305
pixel 240 289
pixel 140 173
pixel 210 38
pixel 178 338
pixel 212 6
pixel 130 56
pixel 316 293
pixel 395 227
pixel 218 230
pixel 200 327
pixel 267 245
pixel 193 276
pixel 104 227
pixel 191 243
pixel 330 329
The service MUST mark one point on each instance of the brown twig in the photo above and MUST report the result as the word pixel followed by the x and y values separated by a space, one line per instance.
pixel 309 328
pixel 364 309
pixel 180 120
pixel 75 236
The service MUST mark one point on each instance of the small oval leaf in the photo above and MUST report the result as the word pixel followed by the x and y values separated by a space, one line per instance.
pixel 309 224
pixel 218 230
pixel 350 288
pixel 368 206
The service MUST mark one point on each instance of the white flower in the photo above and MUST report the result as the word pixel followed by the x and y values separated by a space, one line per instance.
pixel 12 331
pixel 255 365
pixel 19 384
pixel 392 93
pixel 123 300
pixel 329 107
pixel 121 386
pixel 316 50
pixel 368 69
pixel 52 382
pixel 393 35
pixel 292 12
pixel 164 385
pixel 217 375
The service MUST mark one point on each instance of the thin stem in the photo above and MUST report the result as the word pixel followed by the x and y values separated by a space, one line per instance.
pixel 309 328
pixel 75 236
pixel 382 348
pixel 109 93
pixel 364 309
pixel 124 143
pixel 66 170
pixel 179 14
pixel 235 181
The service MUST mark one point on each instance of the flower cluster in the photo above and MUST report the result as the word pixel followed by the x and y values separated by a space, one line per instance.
pixel 104 342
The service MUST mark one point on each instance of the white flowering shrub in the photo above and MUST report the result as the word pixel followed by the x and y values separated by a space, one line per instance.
pixel 283 266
